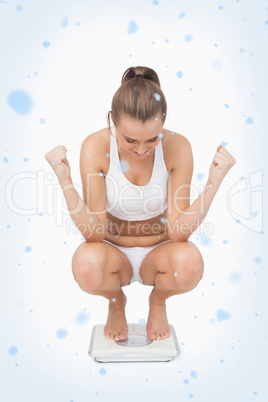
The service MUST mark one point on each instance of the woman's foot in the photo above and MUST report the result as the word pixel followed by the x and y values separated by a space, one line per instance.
pixel 116 327
pixel 157 324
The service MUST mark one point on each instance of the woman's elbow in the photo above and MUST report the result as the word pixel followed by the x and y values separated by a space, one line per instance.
pixel 96 238
pixel 179 237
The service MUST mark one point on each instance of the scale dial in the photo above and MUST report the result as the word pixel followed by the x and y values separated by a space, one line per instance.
pixel 135 340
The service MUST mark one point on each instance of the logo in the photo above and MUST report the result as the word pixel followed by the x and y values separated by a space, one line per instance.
pixel 245 201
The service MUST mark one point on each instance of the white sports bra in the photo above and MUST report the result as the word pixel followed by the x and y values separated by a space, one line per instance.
pixel 129 202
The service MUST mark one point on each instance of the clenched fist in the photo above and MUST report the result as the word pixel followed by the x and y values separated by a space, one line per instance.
pixel 59 163
pixel 221 164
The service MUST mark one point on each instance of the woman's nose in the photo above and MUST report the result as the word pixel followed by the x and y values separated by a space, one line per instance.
pixel 141 150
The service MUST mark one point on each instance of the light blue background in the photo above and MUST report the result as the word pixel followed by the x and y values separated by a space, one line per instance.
pixel 69 56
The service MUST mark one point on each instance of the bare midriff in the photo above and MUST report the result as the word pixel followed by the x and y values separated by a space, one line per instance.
pixel 144 233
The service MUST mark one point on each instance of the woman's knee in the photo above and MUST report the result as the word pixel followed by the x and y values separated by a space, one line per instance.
pixel 88 264
pixel 190 265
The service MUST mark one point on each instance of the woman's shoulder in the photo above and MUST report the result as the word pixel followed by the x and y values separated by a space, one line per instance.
pixel 171 138
pixel 96 146
pixel 97 139
pixel 175 146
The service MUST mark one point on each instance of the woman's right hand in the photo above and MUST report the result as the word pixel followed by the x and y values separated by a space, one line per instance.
pixel 59 163
pixel 222 163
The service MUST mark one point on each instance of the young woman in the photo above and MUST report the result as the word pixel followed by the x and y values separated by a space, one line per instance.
pixel 135 215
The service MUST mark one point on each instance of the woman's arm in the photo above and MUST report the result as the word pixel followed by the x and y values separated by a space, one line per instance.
pixel 189 220
pixel 183 222
pixel 91 226
pixel 88 222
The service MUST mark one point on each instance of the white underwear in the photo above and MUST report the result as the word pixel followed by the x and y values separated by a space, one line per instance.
pixel 136 256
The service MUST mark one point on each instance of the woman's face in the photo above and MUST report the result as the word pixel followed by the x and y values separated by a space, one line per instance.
pixel 137 138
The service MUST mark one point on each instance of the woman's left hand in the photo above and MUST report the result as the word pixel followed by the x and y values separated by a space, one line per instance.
pixel 220 166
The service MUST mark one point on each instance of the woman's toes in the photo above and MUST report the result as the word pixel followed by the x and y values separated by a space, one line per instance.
pixel 119 337
pixel 122 337
pixel 116 335
pixel 151 335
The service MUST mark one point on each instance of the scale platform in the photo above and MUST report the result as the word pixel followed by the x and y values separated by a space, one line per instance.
pixel 136 348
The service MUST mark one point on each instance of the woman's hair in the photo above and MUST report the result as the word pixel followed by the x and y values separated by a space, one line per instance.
pixel 138 97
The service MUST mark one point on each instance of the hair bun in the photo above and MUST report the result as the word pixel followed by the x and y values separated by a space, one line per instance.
pixel 144 72
pixel 137 98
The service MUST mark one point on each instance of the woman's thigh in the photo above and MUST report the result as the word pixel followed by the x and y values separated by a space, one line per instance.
pixel 167 257
pixel 103 257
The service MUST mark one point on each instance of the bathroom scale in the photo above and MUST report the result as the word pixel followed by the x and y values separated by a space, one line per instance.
pixel 136 348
